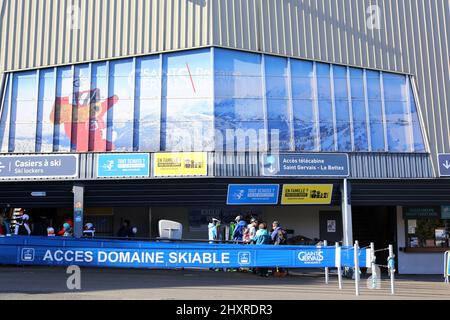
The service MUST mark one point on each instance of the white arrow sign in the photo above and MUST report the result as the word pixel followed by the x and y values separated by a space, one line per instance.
pixel 446 165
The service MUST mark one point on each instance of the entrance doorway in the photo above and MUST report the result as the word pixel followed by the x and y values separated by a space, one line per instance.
pixel 378 225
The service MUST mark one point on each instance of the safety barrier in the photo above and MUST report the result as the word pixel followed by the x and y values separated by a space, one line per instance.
pixel 369 263
pixel 106 253
pixel 447 266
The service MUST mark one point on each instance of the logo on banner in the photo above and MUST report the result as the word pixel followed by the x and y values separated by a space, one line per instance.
pixel 244 258
pixel 311 257
pixel 27 255
pixel 307 194
pixel 180 164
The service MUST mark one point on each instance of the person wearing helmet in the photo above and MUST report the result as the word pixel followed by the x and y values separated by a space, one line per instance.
pixel 62 231
pixel 89 230
pixel 67 230
pixel 50 232
pixel 22 224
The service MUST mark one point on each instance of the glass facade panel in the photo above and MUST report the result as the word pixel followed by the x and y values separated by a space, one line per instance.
pixel 206 100
pixel 359 110
pixel 187 98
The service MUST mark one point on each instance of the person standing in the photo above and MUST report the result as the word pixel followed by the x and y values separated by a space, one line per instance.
pixel 253 228
pixel 212 230
pixel 22 224
pixel 262 237
pixel 125 230
pixel 238 233
pixel 279 237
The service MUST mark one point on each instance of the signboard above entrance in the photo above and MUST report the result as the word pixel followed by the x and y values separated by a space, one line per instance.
pixel 432 212
pixel 180 164
pixel 243 194
pixel 298 194
pixel 306 164
pixel 123 165
pixel 38 166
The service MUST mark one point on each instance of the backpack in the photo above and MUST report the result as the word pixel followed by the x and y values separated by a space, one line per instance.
pixel 281 237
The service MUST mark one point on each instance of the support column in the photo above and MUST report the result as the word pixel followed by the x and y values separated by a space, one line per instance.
pixel 78 210
pixel 346 215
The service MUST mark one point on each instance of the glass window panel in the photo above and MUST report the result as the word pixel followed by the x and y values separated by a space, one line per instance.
pixel 46 103
pixel 5 120
pixel 279 135
pixel 239 109
pixel 302 88
pixel 147 136
pixel 343 125
pixel 236 63
pixel 326 125
pixel 120 110
pixel 377 136
pixel 323 81
pixel 187 93
pixel 357 83
pixel 238 87
pixel 24 112
pixel 304 133
pixel 62 111
pixel 276 73
pixel 302 68
pixel 303 110
pixel 340 83
pixel 344 136
pixel 81 109
pixel 394 87
pixel 278 110
pixel 419 142
pixel 99 108
pixel 189 136
pixel 360 136
pixel 326 136
pixel 240 136
pixel 398 126
pixel 373 85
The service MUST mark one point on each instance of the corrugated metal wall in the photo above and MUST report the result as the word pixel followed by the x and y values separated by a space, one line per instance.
pixel 414 36
pixel 35 33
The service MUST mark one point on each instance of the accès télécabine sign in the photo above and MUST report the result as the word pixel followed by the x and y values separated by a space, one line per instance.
pixel 306 164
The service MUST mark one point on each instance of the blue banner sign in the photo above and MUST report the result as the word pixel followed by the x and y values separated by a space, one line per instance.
pixel 38 166
pixel 123 165
pixel 138 254
pixel 444 165
pixel 306 165
pixel 250 194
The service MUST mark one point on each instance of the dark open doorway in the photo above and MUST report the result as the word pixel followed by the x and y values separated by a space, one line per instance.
pixel 378 225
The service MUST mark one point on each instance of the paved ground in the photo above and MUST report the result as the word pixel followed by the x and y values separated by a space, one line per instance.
pixel 50 283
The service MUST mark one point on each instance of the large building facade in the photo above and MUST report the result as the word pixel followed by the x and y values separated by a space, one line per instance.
pixel 224 83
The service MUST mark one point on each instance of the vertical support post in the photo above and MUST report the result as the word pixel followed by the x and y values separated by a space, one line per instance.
pixel 338 264
pixel 372 265
pixel 327 270
pixel 391 266
pixel 346 215
pixel 78 210
pixel 356 251
pixel 446 266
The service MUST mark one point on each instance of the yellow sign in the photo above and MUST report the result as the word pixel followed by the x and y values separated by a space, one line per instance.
pixel 180 164
pixel 307 194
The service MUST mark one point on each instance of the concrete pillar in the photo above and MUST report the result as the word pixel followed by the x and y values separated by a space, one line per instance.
pixel 78 210
pixel 346 214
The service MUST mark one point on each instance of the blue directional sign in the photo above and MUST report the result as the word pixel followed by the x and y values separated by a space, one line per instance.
pixel 444 165
pixel 250 194
pixel 123 165
pixel 306 164
pixel 38 166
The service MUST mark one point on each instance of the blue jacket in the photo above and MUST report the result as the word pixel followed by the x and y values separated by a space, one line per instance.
pixel 239 231
pixel 262 237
